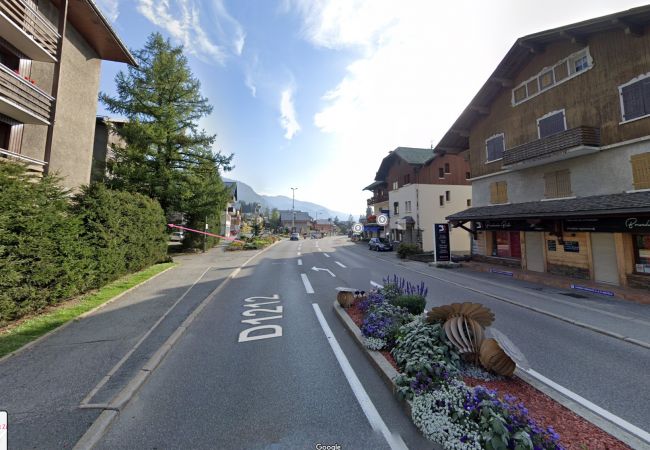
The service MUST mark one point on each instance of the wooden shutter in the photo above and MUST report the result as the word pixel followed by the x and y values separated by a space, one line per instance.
pixel 633 101
pixel 563 180
pixel 550 181
pixel 641 170
pixel 551 125
pixel 502 189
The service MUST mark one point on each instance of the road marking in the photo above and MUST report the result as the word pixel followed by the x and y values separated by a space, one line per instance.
pixel 638 432
pixel 305 281
pixel 298 253
pixel 319 269
pixel 377 285
pixel 326 255
pixel 376 422
pixel 276 330
pixel 340 264
pixel 300 262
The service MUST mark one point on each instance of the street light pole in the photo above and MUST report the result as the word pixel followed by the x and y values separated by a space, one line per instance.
pixel 293 212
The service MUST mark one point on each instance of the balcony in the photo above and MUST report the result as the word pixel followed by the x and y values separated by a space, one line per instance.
pixel 564 145
pixel 22 100
pixel 28 30
pixel 377 199
pixel 35 166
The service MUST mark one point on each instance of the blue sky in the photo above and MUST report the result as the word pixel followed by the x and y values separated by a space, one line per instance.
pixel 314 93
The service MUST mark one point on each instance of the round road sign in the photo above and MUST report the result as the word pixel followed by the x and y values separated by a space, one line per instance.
pixel 357 228
pixel 382 219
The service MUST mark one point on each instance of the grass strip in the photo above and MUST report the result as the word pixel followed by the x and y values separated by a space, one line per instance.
pixel 32 328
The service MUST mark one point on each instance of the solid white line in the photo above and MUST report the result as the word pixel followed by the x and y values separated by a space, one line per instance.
pixel 638 432
pixel 300 262
pixel 377 285
pixel 340 264
pixel 326 255
pixel 305 281
pixel 376 422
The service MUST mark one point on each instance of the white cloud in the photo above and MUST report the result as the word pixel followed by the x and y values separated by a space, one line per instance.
pixel 288 113
pixel 182 20
pixel 110 8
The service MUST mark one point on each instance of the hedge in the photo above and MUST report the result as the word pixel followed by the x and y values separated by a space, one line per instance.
pixel 52 248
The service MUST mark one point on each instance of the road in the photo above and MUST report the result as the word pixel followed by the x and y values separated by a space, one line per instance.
pixel 226 385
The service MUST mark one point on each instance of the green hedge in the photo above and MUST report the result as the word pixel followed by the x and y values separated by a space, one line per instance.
pixel 414 303
pixel 52 248
pixel 405 250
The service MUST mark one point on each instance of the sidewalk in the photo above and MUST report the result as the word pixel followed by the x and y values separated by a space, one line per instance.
pixel 43 386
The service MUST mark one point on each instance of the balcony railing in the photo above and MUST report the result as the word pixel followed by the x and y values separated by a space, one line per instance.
pixel 33 165
pixel 550 145
pixel 22 100
pixel 32 24
pixel 377 199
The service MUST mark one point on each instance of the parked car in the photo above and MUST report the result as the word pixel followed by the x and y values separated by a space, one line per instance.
pixel 380 244
pixel 294 237
pixel 177 236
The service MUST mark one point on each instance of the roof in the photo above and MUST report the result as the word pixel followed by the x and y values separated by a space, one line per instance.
pixel 412 155
pixel 286 216
pixel 600 205
pixel 373 185
pixel 323 222
pixel 86 17
pixel 521 53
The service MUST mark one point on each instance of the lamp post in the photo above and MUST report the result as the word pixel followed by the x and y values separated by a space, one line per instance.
pixel 293 212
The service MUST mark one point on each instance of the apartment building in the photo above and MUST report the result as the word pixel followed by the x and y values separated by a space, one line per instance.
pixel 299 220
pixel 50 58
pixel 106 138
pixel 559 150
pixel 418 187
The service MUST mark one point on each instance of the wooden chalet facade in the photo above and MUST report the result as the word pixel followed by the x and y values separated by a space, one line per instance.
pixel 559 152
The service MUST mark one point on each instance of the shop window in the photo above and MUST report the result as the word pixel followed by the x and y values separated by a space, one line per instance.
pixel 641 253
pixel 506 244
pixel 641 170
pixel 499 192
pixel 558 184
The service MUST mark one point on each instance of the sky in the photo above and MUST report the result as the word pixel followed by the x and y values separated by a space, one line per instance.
pixel 313 94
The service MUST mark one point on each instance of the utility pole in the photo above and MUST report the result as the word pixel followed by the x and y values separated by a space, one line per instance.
pixel 205 243
pixel 293 212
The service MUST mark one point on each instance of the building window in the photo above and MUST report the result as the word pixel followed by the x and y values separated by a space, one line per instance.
pixel 407 178
pixel 635 98
pixel 442 200
pixel 441 172
pixel 641 170
pixel 407 207
pixel 494 147
pixel 447 169
pixel 499 192
pixel 5 132
pixel 641 253
pixel 396 208
pixel 506 244
pixel 467 175
pixel 558 184
pixel 469 202
pixel 448 196
pixel 552 123
pixel 565 69
pixel 395 185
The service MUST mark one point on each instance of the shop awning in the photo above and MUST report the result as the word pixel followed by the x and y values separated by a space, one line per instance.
pixel 594 206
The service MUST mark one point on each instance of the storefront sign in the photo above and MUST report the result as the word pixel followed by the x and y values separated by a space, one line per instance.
pixel 501 272
pixel 441 238
pixel 626 224
pixel 593 290
pixel 511 225
pixel 552 246
pixel 572 246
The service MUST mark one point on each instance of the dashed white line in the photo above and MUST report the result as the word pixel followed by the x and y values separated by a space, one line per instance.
pixel 300 262
pixel 305 281
pixel 377 285
pixel 340 264
pixel 326 255
pixel 376 422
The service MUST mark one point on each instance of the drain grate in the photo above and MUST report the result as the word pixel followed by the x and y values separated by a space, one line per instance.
pixel 571 294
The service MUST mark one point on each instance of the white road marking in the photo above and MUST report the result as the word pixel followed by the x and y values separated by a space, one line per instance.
pixel 376 422
pixel 638 432
pixel 340 264
pixel 305 281
pixel 300 262
pixel 319 269
pixel 326 255
pixel 298 253
pixel 377 285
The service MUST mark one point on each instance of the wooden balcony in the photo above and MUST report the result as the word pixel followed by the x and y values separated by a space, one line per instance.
pixel 563 145
pixel 377 199
pixel 22 100
pixel 28 30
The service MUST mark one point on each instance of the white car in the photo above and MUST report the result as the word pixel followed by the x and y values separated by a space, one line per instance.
pixel 177 236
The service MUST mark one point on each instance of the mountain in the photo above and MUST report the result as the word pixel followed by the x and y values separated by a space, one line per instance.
pixel 247 194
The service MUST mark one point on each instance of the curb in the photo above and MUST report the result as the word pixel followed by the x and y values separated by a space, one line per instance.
pixel 388 373
pixel 80 316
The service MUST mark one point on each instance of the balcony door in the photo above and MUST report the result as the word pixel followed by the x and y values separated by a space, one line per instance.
pixel 551 123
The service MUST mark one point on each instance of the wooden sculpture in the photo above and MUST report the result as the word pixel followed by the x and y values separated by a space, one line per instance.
pixel 494 359
pixel 345 298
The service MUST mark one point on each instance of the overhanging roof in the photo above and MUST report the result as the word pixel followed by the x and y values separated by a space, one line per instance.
pixel 412 155
pixel 456 139
pixel 373 185
pixel 86 17
pixel 598 205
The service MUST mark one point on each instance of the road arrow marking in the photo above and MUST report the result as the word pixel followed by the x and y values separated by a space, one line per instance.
pixel 326 255
pixel 318 269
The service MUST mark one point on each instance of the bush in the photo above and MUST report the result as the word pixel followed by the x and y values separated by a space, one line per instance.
pixel 405 250
pixel 372 300
pixel 413 303
pixel 383 322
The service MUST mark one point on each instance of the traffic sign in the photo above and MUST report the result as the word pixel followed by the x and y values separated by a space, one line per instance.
pixel 382 219
pixel 357 227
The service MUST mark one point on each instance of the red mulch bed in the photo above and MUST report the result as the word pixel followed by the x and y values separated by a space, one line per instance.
pixel 575 432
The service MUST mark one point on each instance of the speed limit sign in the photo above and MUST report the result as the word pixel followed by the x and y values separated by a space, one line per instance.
pixel 382 219
pixel 357 228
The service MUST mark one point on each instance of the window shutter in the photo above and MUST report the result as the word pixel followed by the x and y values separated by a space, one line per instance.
pixel 502 188
pixel 641 170
pixel 551 125
pixel 646 96
pixel 563 178
pixel 633 101
pixel 551 185
pixel 494 193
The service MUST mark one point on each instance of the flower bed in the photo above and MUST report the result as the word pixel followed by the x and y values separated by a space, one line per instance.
pixel 448 402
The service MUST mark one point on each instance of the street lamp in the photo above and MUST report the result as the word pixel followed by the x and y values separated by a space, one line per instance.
pixel 293 212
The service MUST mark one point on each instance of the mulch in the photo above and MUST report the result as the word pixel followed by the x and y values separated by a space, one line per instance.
pixel 575 432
